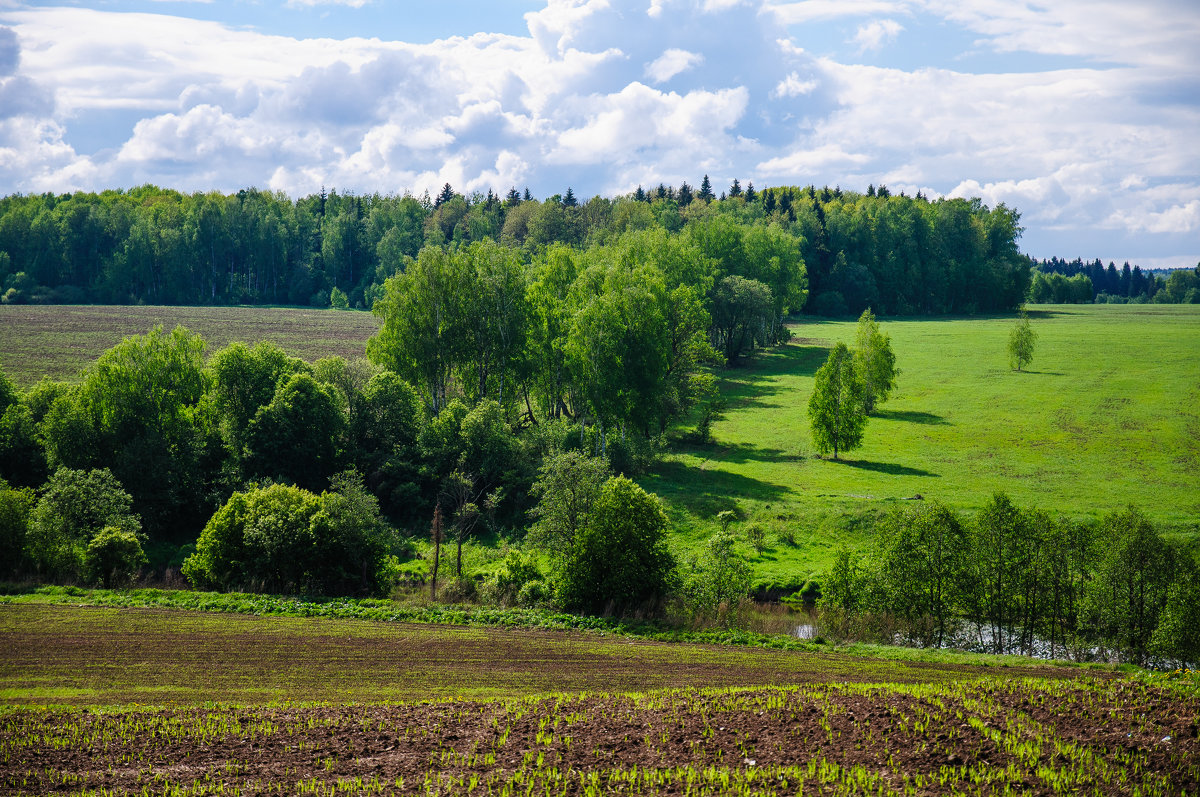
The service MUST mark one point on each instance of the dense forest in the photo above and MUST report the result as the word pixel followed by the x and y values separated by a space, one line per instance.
pixel 893 253
pixel 1057 281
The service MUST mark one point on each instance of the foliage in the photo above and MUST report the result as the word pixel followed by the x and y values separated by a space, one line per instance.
pixel 1021 341
pixel 134 412
pixel 837 407
pixel 874 361
pixel 74 507
pixel 16 506
pixel 284 538
pixel 1132 583
pixel 113 557
pixel 717 580
pixel 567 487
pixel 619 561
pixel 295 437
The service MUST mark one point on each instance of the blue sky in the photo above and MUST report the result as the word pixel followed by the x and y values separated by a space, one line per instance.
pixel 1082 114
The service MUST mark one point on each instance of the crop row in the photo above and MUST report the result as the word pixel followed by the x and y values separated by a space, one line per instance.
pixel 1033 736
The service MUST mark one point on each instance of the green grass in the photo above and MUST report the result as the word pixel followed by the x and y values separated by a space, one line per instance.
pixel 1108 415
pixel 58 342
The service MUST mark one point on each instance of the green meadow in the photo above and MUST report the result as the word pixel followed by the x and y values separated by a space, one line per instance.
pixel 1107 415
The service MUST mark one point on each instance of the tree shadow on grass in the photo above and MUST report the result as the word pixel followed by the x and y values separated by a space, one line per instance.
pixel 890 468
pixel 912 416
pixel 741 453
pixel 706 492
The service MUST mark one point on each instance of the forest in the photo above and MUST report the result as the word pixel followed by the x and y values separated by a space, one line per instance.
pixel 1057 281
pixel 149 245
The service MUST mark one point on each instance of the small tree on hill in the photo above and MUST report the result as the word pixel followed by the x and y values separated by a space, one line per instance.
pixel 837 408
pixel 1021 342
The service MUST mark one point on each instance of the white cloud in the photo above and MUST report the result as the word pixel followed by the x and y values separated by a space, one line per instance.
pixel 820 10
pixel 876 33
pixel 582 100
pixel 310 3
pixel 793 86
pixel 671 63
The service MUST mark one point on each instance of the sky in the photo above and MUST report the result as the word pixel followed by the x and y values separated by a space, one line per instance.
pixel 1084 115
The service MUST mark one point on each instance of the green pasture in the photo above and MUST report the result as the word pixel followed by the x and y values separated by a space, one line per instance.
pixel 1107 415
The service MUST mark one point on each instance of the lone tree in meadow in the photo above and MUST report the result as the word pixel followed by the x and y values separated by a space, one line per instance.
pixel 837 408
pixel 875 361
pixel 1021 342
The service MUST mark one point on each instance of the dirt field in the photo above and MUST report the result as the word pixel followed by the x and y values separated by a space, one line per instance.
pixel 987 737
pixel 188 703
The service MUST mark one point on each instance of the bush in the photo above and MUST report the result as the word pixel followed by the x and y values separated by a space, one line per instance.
pixel 75 506
pixel 619 561
pixel 533 593
pixel 113 557
pixel 15 509
pixel 287 539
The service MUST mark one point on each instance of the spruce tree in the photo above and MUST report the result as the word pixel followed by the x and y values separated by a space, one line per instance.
pixel 706 192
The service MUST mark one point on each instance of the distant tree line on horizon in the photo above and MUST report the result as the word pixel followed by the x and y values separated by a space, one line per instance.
pixel 148 245
pixel 1057 281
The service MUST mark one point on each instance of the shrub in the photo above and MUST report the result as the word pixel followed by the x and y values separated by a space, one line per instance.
pixel 619 561
pixel 113 557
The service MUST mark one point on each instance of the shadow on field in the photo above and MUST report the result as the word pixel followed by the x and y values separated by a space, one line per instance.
pixel 912 416
pixel 889 468
pixel 703 490
pixel 754 380
pixel 741 453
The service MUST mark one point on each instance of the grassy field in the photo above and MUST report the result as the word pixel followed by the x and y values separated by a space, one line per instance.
pixel 59 341
pixel 183 703
pixel 1108 415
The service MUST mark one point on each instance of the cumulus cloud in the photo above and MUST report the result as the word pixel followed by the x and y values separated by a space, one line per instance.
pixel 876 33
pixel 671 63
pixel 604 95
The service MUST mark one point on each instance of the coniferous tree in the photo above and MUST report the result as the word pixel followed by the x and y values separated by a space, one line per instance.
pixel 706 192
pixel 569 200
pixel 735 189
pixel 751 194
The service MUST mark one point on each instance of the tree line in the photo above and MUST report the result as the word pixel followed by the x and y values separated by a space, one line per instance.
pixel 1015 579
pixel 1057 281
pixel 894 253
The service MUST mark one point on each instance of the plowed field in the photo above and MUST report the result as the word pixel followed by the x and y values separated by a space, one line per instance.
pixel 988 737
pixel 548 713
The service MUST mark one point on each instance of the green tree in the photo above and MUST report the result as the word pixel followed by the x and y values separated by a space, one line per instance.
pixel 74 507
pixel 874 361
pixel 1132 583
pixel 1021 341
pixel 242 381
pixel 719 579
pixel 836 408
pixel 114 557
pixel 567 487
pixel 921 563
pixel 16 506
pixel 620 561
pixel 1177 635
pixel 295 437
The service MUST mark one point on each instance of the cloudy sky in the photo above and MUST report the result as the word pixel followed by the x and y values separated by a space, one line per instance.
pixel 1083 114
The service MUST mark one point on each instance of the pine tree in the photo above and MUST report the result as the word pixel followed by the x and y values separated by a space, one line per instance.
pixel 640 195
pixel 569 199
pixel 528 196
pixel 512 198
pixel 751 194
pixel 706 192
pixel 685 195
pixel 735 189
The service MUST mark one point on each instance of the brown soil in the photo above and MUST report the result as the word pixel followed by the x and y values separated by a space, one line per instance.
pixel 1146 733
